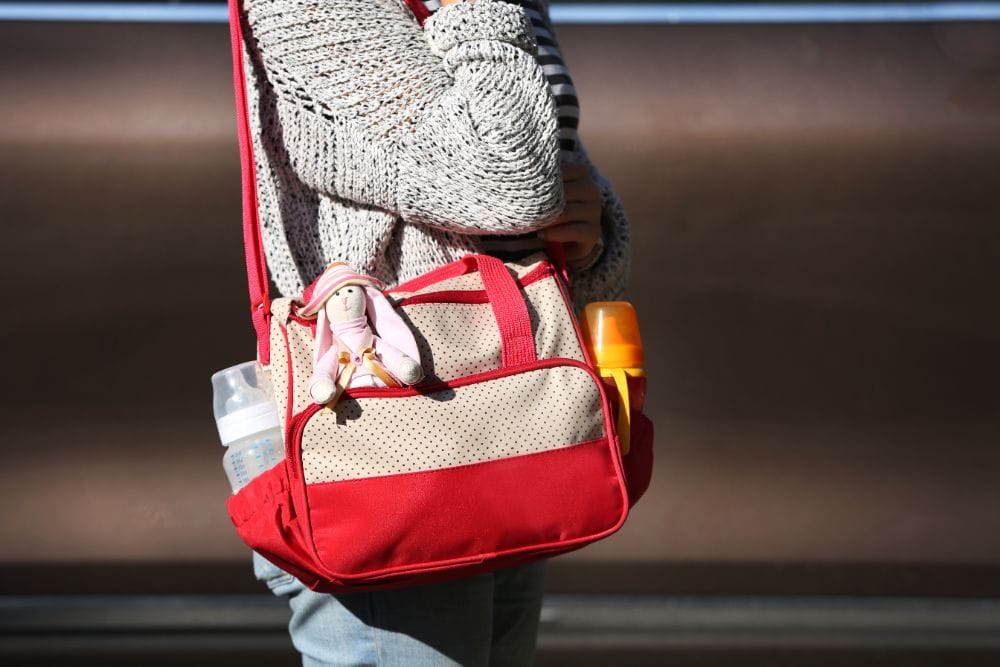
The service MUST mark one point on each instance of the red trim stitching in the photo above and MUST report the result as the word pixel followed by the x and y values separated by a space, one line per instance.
pixel 463 267
pixel 290 388
pixel 457 268
pixel 446 296
pixel 540 272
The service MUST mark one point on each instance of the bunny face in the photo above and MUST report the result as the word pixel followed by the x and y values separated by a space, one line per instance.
pixel 347 303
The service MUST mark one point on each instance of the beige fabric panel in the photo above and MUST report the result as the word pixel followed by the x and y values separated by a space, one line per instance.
pixel 470 282
pixel 464 337
pixel 455 339
pixel 459 339
pixel 501 418
pixel 301 339
pixel 555 335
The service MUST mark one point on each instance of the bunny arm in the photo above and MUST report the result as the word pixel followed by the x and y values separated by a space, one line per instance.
pixel 328 367
pixel 391 356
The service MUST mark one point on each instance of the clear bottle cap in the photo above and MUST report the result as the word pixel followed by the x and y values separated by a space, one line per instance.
pixel 242 402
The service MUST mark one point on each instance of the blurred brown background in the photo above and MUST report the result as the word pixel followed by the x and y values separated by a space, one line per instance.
pixel 814 213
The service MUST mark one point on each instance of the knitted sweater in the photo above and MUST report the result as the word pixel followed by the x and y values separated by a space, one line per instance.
pixel 398 147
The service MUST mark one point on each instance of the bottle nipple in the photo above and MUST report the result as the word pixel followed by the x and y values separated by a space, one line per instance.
pixel 241 393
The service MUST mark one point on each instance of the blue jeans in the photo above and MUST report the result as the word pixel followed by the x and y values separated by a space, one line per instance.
pixel 484 620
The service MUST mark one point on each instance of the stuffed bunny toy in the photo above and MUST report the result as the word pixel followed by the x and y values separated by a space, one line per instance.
pixel 361 341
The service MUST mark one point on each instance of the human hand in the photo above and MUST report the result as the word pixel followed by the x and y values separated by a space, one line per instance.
pixel 445 3
pixel 578 227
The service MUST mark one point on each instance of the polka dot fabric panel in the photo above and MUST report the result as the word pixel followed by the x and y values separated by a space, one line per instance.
pixel 468 283
pixel 301 340
pixel 300 343
pixel 455 339
pixel 551 324
pixel 500 418
pixel 459 339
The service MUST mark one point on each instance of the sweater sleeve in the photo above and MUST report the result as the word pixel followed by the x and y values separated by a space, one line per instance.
pixel 450 125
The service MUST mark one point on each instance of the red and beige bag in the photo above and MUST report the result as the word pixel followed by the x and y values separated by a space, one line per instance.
pixel 504 453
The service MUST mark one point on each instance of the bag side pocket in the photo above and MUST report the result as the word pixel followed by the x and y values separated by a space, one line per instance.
pixel 266 521
pixel 638 463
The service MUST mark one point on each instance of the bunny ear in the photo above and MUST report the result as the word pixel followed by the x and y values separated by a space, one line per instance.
pixel 324 337
pixel 389 326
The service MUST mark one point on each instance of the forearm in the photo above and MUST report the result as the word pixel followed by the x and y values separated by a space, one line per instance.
pixel 450 125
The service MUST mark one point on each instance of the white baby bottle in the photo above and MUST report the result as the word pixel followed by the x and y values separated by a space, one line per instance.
pixel 247 418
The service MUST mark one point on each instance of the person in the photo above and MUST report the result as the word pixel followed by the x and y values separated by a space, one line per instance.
pixel 397 143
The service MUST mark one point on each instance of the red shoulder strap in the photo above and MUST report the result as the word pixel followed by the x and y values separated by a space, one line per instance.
pixel 419 10
pixel 260 303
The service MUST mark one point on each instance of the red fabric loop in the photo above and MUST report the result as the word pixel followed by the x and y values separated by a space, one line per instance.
pixel 510 311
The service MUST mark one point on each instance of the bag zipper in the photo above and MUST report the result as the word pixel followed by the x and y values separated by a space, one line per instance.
pixel 293 457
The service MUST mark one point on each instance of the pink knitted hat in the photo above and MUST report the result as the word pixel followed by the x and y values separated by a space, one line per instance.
pixel 335 276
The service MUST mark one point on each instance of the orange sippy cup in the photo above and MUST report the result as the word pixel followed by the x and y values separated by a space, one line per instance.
pixel 611 332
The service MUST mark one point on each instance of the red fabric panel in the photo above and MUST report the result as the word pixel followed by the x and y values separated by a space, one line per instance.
pixel 549 500
pixel 638 464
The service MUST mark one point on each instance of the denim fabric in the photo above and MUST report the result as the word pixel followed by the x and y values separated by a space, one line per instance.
pixel 487 620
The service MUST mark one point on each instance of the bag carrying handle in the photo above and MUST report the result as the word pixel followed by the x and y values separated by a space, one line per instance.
pixel 510 311
pixel 508 304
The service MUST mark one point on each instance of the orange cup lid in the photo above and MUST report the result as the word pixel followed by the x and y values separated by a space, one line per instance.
pixel 611 330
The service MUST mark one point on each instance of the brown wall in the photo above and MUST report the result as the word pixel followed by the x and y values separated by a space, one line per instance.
pixel 816 249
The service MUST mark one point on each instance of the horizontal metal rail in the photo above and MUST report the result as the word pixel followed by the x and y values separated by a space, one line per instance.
pixel 562 13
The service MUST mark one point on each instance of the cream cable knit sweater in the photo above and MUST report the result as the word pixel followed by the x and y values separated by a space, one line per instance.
pixel 394 146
